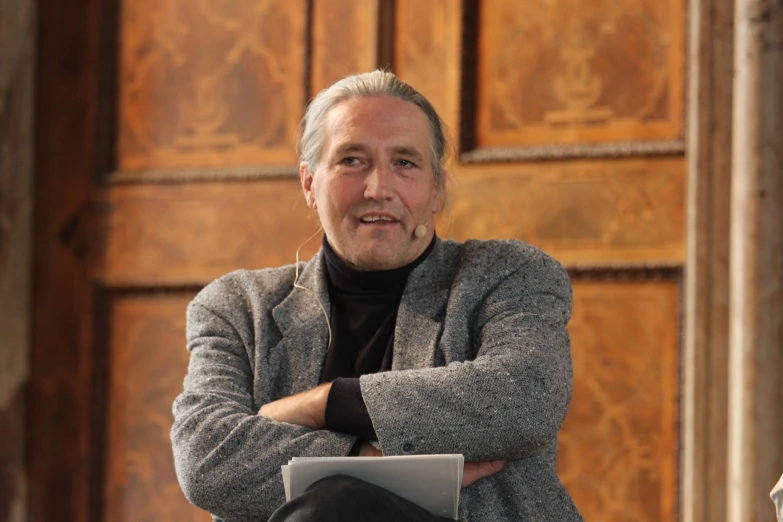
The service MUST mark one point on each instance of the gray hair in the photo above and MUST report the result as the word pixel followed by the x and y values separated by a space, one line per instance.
pixel 367 85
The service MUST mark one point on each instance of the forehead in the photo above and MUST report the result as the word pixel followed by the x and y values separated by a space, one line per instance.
pixel 380 121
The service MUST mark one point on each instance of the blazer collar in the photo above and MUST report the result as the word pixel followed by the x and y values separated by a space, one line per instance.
pixel 421 312
pixel 303 324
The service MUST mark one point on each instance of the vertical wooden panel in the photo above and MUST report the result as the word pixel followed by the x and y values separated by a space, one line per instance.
pixel 570 72
pixel 344 40
pixel 147 362
pixel 427 53
pixel 618 444
pixel 16 195
pixel 205 84
pixel 61 484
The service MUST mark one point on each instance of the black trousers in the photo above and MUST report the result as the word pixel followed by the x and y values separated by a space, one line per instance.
pixel 347 499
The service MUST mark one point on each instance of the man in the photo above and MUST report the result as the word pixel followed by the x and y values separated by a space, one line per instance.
pixel 389 341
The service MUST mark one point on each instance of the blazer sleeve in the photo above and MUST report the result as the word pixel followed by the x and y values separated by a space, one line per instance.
pixel 510 400
pixel 227 458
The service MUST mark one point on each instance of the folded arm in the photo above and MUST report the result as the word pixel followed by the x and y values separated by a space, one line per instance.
pixel 508 401
pixel 227 456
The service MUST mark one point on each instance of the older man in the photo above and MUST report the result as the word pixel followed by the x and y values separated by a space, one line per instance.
pixel 388 341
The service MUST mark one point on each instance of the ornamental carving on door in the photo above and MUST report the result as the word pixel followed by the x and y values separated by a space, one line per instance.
pixel 209 83
pixel 567 72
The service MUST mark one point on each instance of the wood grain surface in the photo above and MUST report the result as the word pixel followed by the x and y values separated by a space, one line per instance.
pixel 618 446
pixel 206 84
pixel 567 72
pixel 344 40
pixel 147 360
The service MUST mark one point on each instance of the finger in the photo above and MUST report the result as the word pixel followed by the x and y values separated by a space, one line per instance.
pixel 473 471
pixel 490 467
pixel 368 450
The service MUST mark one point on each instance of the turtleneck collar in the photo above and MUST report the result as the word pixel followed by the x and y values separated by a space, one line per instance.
pixel 352 281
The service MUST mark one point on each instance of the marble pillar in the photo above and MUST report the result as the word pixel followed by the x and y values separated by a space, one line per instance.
pixel 755 438
pixel 706 297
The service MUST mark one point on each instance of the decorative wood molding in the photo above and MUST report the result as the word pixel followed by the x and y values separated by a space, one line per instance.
pixel 627 272
pixel 203 174
pixel 560 152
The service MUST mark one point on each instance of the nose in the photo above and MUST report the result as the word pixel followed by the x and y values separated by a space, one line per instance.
pixel 379 184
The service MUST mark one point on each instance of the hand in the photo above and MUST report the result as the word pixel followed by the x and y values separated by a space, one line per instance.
pixel 305 409
pixel 368 450
pixel 473 471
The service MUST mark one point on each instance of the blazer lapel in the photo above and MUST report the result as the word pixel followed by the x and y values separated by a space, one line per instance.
pixel 304 326
pixel 421 313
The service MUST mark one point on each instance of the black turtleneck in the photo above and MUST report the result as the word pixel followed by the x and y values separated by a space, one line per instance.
pixel 363 316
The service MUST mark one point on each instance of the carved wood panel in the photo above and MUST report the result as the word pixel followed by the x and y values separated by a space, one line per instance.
pixel 572 72
pixel 427 52
pixel 150 235
pixel 619 212
pixel 344 35
pixel 205 84
pixel 147 362
pixel 618 445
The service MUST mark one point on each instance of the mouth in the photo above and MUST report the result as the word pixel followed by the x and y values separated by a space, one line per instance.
pixel 378 220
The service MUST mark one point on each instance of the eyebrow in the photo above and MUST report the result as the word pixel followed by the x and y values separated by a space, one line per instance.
pixel 409 151
pixel 349 147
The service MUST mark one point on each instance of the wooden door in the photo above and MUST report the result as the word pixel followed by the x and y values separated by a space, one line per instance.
pixel 166 134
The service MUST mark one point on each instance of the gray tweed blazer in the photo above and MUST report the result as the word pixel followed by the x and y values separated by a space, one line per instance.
pixel 481 367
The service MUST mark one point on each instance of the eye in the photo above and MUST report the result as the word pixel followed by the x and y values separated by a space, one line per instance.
pixel 350 161
pixel 406 164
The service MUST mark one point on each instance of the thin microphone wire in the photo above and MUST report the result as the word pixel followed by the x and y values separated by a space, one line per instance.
pixel 297 285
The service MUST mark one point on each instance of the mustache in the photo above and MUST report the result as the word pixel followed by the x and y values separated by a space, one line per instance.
pixel 395 213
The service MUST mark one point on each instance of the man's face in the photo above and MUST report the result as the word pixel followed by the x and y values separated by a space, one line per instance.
pixel 374 182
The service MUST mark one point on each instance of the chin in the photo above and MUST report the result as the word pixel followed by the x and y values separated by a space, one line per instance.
pixel 377 261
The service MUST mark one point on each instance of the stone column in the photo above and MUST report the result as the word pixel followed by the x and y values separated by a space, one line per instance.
pixel 706 300
pixel 755 439
pixel 17 63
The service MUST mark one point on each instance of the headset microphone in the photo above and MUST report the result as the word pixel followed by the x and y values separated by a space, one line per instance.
pixel 420 231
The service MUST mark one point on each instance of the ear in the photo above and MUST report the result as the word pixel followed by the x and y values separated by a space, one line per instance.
pixel 439 201
pixel 306 178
